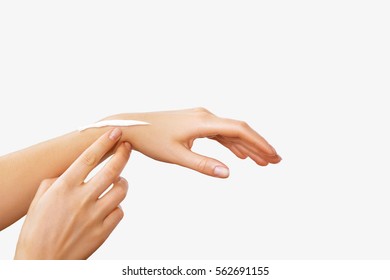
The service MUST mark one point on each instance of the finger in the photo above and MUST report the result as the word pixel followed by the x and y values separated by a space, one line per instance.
pixel 110 172
pixel 91 157
pixel 238 129
pixel 202 164
pixel 270 158
pixel 232 147
pixel 247 149
pixel 250 151
pixel 256 158
pixel 113 198
pixel 112 220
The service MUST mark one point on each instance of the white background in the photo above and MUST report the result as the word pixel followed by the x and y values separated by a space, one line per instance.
pixel 311 76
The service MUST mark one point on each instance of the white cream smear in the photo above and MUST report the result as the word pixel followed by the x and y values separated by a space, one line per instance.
pixel 113 123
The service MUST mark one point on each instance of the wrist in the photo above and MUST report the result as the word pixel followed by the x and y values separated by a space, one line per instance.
pixel 130 132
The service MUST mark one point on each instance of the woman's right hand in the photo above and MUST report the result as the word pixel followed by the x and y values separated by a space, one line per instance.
pixel 68 218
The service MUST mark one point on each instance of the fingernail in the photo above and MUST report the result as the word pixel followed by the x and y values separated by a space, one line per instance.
pixel 221 171
pixel 127 145
pixel 115 134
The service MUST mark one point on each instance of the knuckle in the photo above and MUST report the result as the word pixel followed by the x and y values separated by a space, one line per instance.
pixel 261 162
pixel 203 115
pixel 202 165
pixel 242 156
pixel 111 172
pixel 121 214
pixel 243 124
pixel 124 182
pixel 89 159
pixel 122 191
pixel 202 111
pixel 46 182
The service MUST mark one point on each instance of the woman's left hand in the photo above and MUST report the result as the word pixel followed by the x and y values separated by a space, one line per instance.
pixel 170 136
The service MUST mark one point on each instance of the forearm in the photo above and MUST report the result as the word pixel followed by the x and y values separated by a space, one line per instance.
pixel 21 172
pixel 169 138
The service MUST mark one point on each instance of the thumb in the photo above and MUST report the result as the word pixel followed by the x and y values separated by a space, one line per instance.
pixel 202 164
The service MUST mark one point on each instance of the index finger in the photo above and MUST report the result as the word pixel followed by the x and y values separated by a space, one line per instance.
pixel 91 157
pixel 240 130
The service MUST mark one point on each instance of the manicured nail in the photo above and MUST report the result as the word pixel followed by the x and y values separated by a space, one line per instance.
pixel 115 134
pixel 221 171
pixel 127 145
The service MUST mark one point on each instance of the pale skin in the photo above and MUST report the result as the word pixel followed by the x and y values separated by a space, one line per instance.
pixel 69 218
pixel 169 138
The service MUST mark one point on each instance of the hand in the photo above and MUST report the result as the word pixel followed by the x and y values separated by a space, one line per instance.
pixel 68 219
pixel 171 134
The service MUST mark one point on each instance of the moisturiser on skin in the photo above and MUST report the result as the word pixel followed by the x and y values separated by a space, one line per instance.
pixel 113 123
